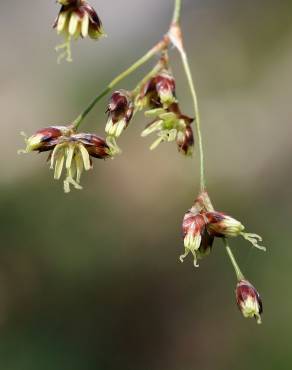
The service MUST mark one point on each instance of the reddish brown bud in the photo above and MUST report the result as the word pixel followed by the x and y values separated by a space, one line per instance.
pixel 158 91
pixel 95 145
pixel 193 224
pixel 120 110
pixel 185 141
pixel 165 87
pixel 196 238
pixel 248 300
pixel 222 225
pixel 45 139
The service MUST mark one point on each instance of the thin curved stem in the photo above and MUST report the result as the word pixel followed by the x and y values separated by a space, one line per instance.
pixel 197 115
pixel 151 53
pixel 177 11
pixel 238 272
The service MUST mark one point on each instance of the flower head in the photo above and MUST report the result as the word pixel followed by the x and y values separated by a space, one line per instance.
pixel 158 92
pixel 69 151
pixel 248 300
pixel 170 125
pixel 196 238
pixel 45 139
pixel 76 19
pixel 120 112
pixel 222 225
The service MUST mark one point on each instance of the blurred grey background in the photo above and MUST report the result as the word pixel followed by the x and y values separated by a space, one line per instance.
pixel 91 280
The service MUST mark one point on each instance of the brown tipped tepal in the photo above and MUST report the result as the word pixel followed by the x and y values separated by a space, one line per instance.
pixel 45 139
pixel 95 145
pixel 222 225
pixel 248 300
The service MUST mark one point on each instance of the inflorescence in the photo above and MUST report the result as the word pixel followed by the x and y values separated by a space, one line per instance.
pixel 72 152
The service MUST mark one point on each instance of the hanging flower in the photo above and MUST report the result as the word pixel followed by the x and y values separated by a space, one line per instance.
pixel 196 238
pixel 158 92
pixel 248 300
pixel 170 125
pixel 76 19
pixel 69 151
pixel 120 112
pixel 224 226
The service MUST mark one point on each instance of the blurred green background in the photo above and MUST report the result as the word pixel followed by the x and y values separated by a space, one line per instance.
pixel 91 280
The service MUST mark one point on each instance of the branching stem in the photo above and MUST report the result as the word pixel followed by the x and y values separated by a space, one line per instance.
pixel 163 44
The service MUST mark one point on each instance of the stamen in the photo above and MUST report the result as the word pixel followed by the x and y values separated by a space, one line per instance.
pixel 156 143
pixel 70 153
pixel 114 148
pixel 67 54
pixel 85 157
pixel 183 256
pixel 254 239
pixel 59 166
pixel 152 128
pixel 79 166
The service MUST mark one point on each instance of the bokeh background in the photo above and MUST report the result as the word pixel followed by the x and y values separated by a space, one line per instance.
pixel 91 280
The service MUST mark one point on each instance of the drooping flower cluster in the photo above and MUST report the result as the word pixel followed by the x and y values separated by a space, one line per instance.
pixel 202 223
pixel 69 151
pixel 76 19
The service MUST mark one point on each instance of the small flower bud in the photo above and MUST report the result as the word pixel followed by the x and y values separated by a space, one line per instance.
pixel 45 139
pixel 158 92
pixel 221 225
pixel 248 300
pixel 120 112
pixel 165 87
pixel 95 145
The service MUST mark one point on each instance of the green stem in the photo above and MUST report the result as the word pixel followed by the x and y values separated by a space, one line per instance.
pixel 197 115
pixel 177 11
pixel 151 53
pixel 154 71
pixel 238 272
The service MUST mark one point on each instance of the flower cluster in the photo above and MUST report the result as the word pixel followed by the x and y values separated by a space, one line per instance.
pixel 72 152
pixel 68 150
pixel 203 223
pixel 159 98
